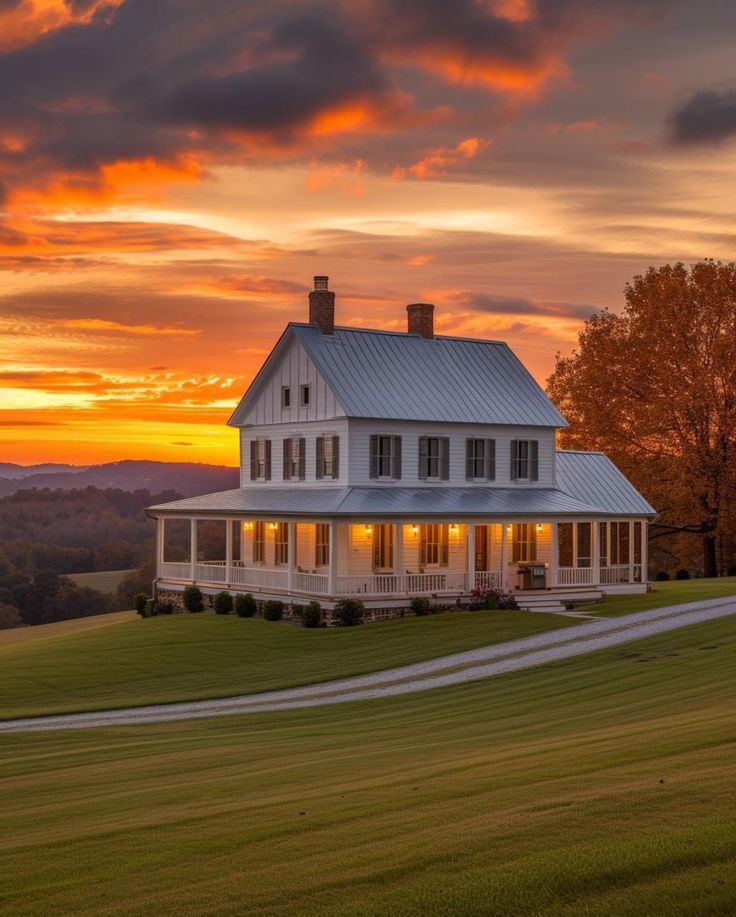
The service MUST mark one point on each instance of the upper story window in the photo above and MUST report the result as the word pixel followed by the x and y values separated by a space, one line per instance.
pixel 524 537
pixel 434 458
pixel 285 396
pixel 260 459
pixel 304 396
pixel 294 459
pixel 480 459
pixel 434 546
pixel 524 459
pixel 328 457
pixel 385 457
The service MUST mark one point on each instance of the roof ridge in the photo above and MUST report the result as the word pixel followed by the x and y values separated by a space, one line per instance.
pixel 405 334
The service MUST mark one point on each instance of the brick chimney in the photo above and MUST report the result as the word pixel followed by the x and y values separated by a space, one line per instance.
pixel 420 316
pixel 322 306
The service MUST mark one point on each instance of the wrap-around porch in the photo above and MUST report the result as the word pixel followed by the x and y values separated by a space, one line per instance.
pixel 382 560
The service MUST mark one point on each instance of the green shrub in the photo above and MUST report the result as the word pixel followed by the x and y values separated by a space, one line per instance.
pixel 139 602
pixel 508 603
pixel 273 609
pixel 245 605
pixel 682 574
pixel 662 576
pixel 348 612
pixel 164 608
pixel 150 610
pixel 492 600
pixel 223 603
pixel 297 610
pixel 312 615
pixel 192 598
pixel 421 606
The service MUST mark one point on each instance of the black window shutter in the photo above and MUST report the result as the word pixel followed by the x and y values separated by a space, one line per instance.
pixel 335 456
pixel 534 460
pixel 320 444
pixel 396 458
pixel 469 459
pixel 444 546
pixel 515 529
pixel 422 545
pixel 374 456
pixel 302 457
pixel 423 463
pixel 514 459
pixel 287 459
pixel 376 544
pixel 445 458
pixel 253 459
pixel 491 459
pixel 268 459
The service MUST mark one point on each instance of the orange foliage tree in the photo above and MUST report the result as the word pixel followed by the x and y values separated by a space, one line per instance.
pixel 655 388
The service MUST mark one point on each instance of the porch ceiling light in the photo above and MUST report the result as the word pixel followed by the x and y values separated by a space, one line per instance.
pixel 414 529
pixel 248 526
pixel 272 525
pixel 540 526
pixel 453 527
pixel 368 529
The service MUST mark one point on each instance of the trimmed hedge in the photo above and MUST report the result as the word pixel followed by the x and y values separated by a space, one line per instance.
pixel 192 598
pixel 312 615
pixel 223 603
pixel 348 612
pixel 245 605
pixel 273 610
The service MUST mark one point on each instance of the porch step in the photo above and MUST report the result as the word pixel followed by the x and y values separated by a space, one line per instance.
pixel 555 603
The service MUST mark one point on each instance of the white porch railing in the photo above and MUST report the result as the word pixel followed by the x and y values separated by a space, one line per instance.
pixel 176 570
pixel 574 576
pixel 259 577
pixel 317 583
pixel 488 579
pixel 618 573
pixel 210 573
pixel 401 583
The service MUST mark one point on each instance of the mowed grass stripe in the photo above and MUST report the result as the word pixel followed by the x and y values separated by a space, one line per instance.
pixel 534 793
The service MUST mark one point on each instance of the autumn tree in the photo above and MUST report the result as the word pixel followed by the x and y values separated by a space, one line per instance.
pixel 655 388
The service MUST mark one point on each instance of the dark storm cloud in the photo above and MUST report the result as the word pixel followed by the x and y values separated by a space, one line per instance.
pixel 519 305
pixel 708 116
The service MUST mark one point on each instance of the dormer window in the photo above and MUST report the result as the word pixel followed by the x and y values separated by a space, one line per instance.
pixel 285 396
pixel 304 396
pixel 524 459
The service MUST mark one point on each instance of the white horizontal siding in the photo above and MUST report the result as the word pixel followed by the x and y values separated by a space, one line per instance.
pixel 359 450
pixel 277 433
pixel 294 370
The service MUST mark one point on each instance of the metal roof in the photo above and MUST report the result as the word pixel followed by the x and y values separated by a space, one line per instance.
pixel 396 376
pixel 592 477
pixel 588 484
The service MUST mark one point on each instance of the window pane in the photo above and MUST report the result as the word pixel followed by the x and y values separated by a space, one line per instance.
pixel 177 540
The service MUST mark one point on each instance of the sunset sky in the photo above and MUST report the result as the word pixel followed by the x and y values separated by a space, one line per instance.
pixel 173 172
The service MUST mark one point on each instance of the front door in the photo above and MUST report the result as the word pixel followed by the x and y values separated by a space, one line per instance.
pixel 481 547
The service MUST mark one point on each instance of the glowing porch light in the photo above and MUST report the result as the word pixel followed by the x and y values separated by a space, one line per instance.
pixel 368 529
pixel 272 526
pixel 414 529
pixel 540 526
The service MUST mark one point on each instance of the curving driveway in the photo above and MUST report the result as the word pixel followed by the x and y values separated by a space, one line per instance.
pixel 470 665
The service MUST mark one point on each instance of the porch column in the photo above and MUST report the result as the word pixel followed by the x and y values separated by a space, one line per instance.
pixel 504 554
pixel 644 551
pixel 159 544
pixel 193 546
pixel 595 560
pixel 470 540
pixel 631 551
pixel 332 572
pixel 554 554
pixel 399 569
pixel 291 554
pixel 228 549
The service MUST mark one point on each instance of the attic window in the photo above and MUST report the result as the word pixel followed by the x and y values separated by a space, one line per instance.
pixel 285 396
pixel 304 395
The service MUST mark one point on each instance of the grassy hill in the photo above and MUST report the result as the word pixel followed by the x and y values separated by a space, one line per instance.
pixel 185 657
pixel 602 785
pixel 105 581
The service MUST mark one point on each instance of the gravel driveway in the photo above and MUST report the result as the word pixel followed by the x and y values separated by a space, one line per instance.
pixel 434 673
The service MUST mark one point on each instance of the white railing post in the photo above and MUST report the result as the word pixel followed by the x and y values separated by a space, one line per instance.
pixel 332 571
pixel 596 551
pixel 291 554
pixel 228 549
pixel 193 545
pixel 159 545
pixel 470 541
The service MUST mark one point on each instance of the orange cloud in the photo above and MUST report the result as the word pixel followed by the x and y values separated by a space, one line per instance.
pixel 439 160
pixel 100 324
pixel 31 19
pixel 343 175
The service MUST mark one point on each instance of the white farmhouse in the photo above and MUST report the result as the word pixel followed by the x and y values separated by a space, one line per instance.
pixel 387 465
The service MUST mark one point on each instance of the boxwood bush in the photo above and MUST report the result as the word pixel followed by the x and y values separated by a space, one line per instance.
pixel 421 605
pixel 223 603
pixel 348 612
pixel 245 605
pixel 192 598
pixel 139 602
pixel 273 609
pixel 312 615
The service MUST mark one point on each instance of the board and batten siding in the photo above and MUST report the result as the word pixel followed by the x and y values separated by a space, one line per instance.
pixel 294 370
pixel 277 433
pixel 360 432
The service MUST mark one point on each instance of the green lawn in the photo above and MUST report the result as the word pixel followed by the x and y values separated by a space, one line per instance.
pixel 185 657
pixel 106 581
pixel 602 785
pixel 672 592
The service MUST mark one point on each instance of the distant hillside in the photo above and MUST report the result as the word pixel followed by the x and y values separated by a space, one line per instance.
pixel 12 471
pixel 187 478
